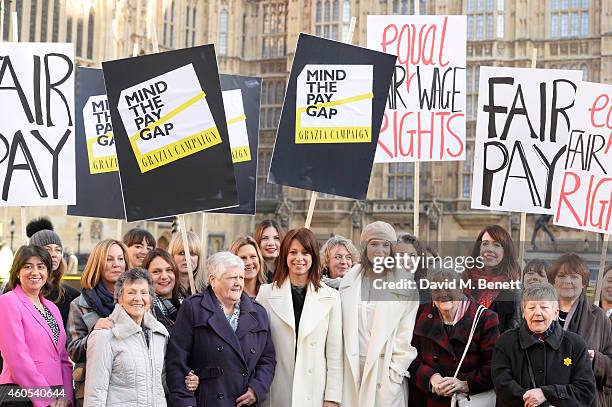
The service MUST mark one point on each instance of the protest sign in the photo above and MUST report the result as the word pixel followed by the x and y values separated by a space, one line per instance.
pixel 241 99
pixel 96 159
pixel 170 133
pixel 331 117
pixel 425 115
pixel 584 198
pixel 37 158
pixel 522 128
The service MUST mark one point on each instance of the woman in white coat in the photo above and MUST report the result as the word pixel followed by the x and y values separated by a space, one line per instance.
pixel 377 326
pixel 306 322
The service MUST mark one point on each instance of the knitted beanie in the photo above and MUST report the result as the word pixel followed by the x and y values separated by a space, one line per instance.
pixel 378 230
pixel 45 237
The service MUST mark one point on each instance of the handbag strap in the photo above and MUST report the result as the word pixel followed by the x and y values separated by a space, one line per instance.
pixel 530 368
pixel 479 312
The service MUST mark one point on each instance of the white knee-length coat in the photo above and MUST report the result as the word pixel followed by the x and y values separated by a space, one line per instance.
pixel 309 367
pixel 389 354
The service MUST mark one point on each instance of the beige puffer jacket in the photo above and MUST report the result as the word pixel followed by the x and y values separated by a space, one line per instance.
pixel 121 369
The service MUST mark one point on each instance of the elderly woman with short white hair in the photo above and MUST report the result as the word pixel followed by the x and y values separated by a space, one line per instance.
pixel 125 364
pixel 224 337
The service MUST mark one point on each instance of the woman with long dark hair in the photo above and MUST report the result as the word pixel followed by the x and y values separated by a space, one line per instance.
pixel 268 235
pixel 306 322
pixel 497 253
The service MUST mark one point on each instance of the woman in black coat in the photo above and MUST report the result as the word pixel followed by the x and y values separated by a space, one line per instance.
pixel 224 337
pixel 539 363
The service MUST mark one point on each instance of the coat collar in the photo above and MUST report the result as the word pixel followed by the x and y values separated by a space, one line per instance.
pixel 126 327
pixel 218 322
pixel 430 325
pixel 20 293
pixel 527 340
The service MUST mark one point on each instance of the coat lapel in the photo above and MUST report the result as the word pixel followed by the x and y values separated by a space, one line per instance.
pixel 219 324
pixel 316 307
pixel 282 304
pixel 350 291
pixel 34 312
pixel 247 320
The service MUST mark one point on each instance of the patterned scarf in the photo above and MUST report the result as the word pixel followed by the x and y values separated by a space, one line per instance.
pixel 100 299
pixel 233 318
pixel 483 297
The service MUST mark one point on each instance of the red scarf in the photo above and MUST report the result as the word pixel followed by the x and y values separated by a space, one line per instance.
pixel 483 297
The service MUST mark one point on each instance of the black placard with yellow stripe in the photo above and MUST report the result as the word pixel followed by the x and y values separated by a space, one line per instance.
pixel 197 174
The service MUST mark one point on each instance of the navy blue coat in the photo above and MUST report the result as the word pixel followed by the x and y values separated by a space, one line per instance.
pixel 227 363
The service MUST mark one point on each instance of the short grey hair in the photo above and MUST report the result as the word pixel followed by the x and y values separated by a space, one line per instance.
pixel 218 263
pixel 130 276
pixel 540 292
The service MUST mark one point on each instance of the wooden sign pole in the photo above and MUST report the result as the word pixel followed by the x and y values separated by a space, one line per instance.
pixel 602 268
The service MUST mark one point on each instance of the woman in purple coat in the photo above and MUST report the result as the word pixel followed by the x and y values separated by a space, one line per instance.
pixel 224 337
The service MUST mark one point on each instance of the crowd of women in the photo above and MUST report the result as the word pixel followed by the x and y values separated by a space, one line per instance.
pixel 278 321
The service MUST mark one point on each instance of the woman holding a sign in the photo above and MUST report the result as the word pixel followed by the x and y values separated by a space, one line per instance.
pixel 268 235
pixel 254 274
pixel 32 337
pixel 570 276
pixel 176 249
pixel 306 323
pixel 90 310
pixel 491 285
pixel 377 324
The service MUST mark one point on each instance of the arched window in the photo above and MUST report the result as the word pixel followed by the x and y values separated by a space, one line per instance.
pixel 79 39
pixel 43 21
pixel 90 34
pixel 279 93
pixel 318 12
pixel 33 12
pixel 56 15
pixel 223 32
pixel 335 10
pixel 585 72
pixel 327 10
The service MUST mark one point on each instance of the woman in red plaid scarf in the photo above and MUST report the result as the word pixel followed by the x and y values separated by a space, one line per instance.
pixel 495 248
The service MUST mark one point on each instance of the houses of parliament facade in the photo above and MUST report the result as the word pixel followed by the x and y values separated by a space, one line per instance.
pixel 258 38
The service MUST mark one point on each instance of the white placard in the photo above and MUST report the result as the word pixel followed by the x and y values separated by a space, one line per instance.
pixel 425 115
pixel 522 128
pixel 37 152
pixel 236 125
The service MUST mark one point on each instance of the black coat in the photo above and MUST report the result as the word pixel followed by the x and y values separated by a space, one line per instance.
pixel 227 363
pixel 507 308
pixel 561 368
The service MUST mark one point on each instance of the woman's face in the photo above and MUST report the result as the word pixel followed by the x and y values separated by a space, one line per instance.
pixel 568 284
pixel 606 288
pixel 181 261
pixel 299 260
pixel 378 248
pixel 136 298
pixel 115 264
pixel 340 261
pixel 228 288
pixel 270 243
pixel 248 254
pixel 534 275
pixel 163 277
pixel 33 275
pixel 447 299
pixel 408 249
pixel 539 314
pixel 137 252
pixel 491 251
pixel 56 254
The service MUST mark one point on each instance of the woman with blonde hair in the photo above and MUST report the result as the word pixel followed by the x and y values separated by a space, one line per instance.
pixel 90 310
pixel 338 254
pixel 177 250
pixel 247 249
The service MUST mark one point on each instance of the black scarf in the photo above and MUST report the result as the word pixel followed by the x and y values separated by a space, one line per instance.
pixel 100 299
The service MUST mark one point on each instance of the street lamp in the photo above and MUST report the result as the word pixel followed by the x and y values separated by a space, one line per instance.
pixel 12 230
pixel 79 234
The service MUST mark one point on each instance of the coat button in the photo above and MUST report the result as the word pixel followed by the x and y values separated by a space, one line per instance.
pixel 244 374
pixel 436 359
pixel 220 396
pixel 253 351
pixel 429 316
pixel 309 370
pixel 219 348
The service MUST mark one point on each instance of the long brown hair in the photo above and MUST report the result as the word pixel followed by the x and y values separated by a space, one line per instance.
pixel 249 241
pixel 509 265
pixel 309 241
pixel 168 258
pixel 263 225
pixel 23 254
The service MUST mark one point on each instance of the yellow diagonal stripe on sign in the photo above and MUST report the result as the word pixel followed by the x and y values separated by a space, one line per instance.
pixel 237 119
pixel 171 114
pixel 344 101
